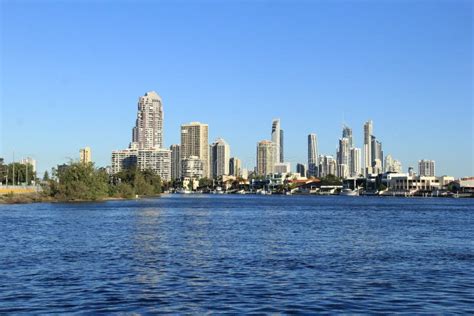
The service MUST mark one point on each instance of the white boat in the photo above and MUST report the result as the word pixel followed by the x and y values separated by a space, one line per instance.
pixel 241 192
pixel 349 192
pixel 183 191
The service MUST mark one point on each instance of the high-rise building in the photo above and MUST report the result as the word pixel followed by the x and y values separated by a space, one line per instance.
pixel 347 133
pixel 276 133
pixel 377 155
pixel 327 166
pixel 124 159
pixel 301 169
pixel 192 167
pixel 29 161
pixel 282 147
pixel 392 165
pixel 85 155
pixel 344 157
pixel 426 168
pixel 194 142
pixel 157 160
pixel 148 130
pixel 220 155
pixel 355 168
pixel 235 167
pixel 266 157
pixel 175 162
pixel 368 130
pixel 313 162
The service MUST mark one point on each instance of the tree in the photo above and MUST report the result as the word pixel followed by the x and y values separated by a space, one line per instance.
pixel 78 181
pixel 46 176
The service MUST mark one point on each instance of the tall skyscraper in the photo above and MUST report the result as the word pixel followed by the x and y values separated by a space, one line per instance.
pixel 235 167
pixel 327 166
pixel 146 149
pixel 175 162
pixel 266 157
pixel 347 133
pixel 220 153
pixel 343 158
pixel 355 168
pixel 377 155
pixel 426 168
pixel 148 130
pixel 313 162
pixel 368 130
pixel 194 142
pixel 276 133
pixel 282 147
pixel 85 155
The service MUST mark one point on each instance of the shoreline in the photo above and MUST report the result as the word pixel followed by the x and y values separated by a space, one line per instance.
pixel 37 198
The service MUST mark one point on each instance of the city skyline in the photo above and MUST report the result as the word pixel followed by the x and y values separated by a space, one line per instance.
pixel 313 85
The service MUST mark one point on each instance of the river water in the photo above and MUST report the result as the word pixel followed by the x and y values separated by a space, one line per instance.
pixel 239 254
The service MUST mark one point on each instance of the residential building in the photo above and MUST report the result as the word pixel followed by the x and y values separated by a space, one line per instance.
pixel 220 156
pixel 327 166
pixel 344 157
pixel 355 167
pixel 301 169
pixel 192 167
pixel 29 161
pixel 368 130
pixel 194 142
pixel 175 162
pixel 235 167
pixel 276 133
pixel 347 133
pixel 266 157
pixel 313 162
pixel 377 155
pixel 392 165
pixel 148 130
pixel 123 159
pixel 157 160
pixel 85 155
pixel 282 147
pixel 426 168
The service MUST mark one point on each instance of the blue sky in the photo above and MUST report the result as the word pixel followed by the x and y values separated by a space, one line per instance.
pixel 72 71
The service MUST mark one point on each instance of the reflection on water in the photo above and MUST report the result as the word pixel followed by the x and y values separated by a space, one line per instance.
pixel 239 254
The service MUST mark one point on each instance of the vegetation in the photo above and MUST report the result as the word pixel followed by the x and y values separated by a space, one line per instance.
pixel 23 174
pixel 131 182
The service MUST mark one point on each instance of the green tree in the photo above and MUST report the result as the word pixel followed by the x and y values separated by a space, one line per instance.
pixel 79 182
pixel 46 176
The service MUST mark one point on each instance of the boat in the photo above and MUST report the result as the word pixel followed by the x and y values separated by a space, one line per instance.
pixel 183 191
pixel 241 192
pixel 349 192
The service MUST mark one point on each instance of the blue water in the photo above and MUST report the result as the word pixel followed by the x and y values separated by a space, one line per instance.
pixel 239 254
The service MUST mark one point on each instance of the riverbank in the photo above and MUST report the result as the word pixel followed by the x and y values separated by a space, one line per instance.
pixel 27 198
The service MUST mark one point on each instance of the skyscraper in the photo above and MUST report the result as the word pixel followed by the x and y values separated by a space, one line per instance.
pixel 157 160
pixel 276 133
pixel 235 167
pixel 266 157
pixel 175 162
pixel 355 168
pixel 220 153
pixel 347 133
pixel 194 142
pixel 426 168
pixel 343 158
pixel 148 130
pixel 368 130
pixel 377 155
pixel 85 155
pixel 313 162
pixel 282 148
pixel 327 166
pixel 392 165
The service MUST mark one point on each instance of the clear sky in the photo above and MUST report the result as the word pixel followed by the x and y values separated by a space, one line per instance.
pixel 72 72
